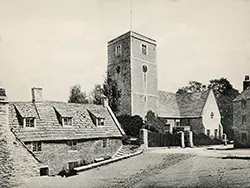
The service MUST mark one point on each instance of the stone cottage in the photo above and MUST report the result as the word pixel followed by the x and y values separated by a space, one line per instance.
pixel 132 63
pixel 241 116
pixel 54 136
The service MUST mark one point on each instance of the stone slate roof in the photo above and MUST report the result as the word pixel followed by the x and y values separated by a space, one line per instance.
pixel 168 106
pixel 244 95
pixel 187 105
pixel 48 126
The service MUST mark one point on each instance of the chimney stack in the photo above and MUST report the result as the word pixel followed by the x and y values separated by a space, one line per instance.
pixel 37 94
pixel 105 101
pixel 3 96
pixel 246 82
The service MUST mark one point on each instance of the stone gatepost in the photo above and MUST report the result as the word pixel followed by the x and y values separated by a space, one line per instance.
pixel 190 136
pixel 182 139
pixel 144 138
pixel 224 136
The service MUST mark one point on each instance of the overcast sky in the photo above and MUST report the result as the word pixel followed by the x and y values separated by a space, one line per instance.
pixel 55 44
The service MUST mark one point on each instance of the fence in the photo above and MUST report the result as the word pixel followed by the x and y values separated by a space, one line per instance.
pixel 163 139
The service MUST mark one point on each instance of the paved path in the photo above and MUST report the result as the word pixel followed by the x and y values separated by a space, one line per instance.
pixel 160 167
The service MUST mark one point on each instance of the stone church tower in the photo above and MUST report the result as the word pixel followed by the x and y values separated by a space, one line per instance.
pixel 132 63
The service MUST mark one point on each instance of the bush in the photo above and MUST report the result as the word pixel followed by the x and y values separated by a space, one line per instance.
pixel 131 125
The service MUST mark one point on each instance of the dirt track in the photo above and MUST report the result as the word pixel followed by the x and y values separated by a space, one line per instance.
pixel 161 168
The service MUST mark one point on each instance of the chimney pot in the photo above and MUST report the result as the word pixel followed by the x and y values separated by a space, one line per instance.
pixel 37 94
pixel 246 83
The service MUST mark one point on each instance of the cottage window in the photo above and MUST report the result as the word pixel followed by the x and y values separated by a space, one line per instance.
pixel 106 143
pixel 67 121
pixel 118 50
pixel 244 119
pixel 144 49
pixel 212 115
pixel 215 133
pixel 72 144
pixel 100 121
pixel 208 132
pixel 29 122
pixel 36 146
pixel 243 103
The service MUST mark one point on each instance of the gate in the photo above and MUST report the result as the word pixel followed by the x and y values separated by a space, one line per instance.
pixel 163 139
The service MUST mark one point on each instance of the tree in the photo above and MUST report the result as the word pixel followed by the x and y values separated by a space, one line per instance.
pixel 77 96
pixel 131 124
pixel 225 94
pixel 154 123
pixel 193 86
pixel 97 94
pixel 113 93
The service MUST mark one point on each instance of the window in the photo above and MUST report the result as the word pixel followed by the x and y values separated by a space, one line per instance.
pixel 212 115
pixel 36 146
pixel 215 133
pixel 67 121
pixel 243 103
pixel 208 132
pixel 144 49
pixel 177 122
pixel 106 143
pixel 100 121
pixel 118 70
pixel 145 99
pixel 72 144
pixel 144 70
pixel 29 122
pixel 244 119
pixel 44 171
pixel 118 50
pixel 244 137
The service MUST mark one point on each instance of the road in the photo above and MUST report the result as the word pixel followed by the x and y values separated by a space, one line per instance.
pixel 160 167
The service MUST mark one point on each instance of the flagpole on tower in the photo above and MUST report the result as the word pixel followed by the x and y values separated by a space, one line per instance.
pixel 130 14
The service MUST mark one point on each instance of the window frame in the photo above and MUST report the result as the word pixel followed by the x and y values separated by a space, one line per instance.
pixel 36 146
pixel 208 132
pixel 67 120
pixel 100 122
pixel 118 50
pixel 28 121
pixel 144 49
pixel 106 143
pixel 73 145
pixel 244 118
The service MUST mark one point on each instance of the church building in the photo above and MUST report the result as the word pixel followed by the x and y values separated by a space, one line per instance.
pixel 132 63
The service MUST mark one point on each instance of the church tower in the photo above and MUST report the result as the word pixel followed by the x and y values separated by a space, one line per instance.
pixel 132 63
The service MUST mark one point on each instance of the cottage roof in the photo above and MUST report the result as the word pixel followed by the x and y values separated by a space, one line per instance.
pixel 168 106
pixel 192 104
pixel 49 127
pixel 186 105
pixel 243 95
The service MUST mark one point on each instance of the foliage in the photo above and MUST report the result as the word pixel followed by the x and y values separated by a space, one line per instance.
pixel 97 94
pixel 224 94
pixel 131 124
pixel 154 123
pixel 77 96
pixel 193 86
pixel 111 90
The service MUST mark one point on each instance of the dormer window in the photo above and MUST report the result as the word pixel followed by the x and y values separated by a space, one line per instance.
pixel 72 144
pixel 100 121
pixel 29 122
pixel 67 121
pixel 144 49
pixel 118 50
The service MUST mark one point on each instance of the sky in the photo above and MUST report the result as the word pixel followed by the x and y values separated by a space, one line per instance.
pixel 55 44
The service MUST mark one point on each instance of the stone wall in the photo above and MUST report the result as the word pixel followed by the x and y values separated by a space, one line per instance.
pixel 241 129
pixel 57 155
pixel 119 69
